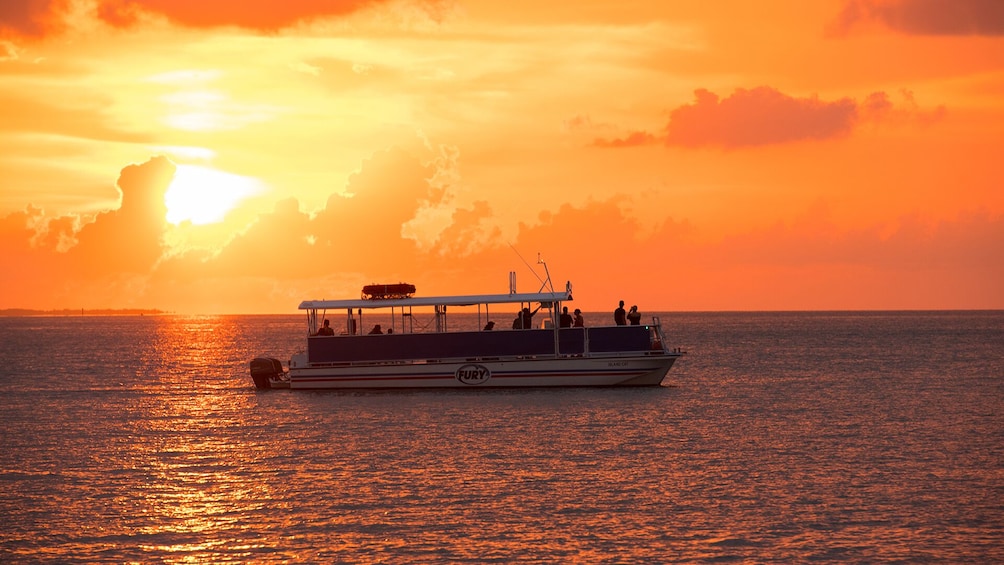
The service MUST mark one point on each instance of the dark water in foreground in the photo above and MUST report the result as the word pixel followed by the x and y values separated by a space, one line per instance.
pixel 783 437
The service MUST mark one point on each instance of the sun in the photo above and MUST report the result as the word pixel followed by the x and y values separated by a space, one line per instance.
pixel 203 195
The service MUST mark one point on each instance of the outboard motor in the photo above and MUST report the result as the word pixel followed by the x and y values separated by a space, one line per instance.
pixel 264 370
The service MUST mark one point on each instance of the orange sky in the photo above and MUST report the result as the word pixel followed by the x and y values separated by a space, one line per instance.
pixel 239 157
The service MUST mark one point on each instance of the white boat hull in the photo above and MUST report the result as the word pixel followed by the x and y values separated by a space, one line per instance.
pixel 536 372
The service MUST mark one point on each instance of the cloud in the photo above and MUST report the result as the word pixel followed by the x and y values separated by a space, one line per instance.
pixel 278 237
pixel 8 51
pixel 911 243
pixel 766 116
pixel 286 255
pixel 364 224
pixel 878 108
pixel 810 263
pixel 128 239
pixel 357 230
pixel 266 15
pixel 469 231
pixel 80 116
pixel 27 17
pixel 912 262
pixel 633 139
pixel 35 18
pixel 924 17
pixel 71 262
pixel 760 116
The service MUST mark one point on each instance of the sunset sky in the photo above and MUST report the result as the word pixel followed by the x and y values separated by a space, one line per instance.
pixel 239 157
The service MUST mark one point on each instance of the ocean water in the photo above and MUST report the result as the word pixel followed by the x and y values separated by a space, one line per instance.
pixel 835 437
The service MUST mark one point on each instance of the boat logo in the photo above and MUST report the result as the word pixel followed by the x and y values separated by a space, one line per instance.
pixel 473 374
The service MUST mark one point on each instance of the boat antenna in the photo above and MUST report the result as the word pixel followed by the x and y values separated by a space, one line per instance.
pixel 546 282
pixel 543 283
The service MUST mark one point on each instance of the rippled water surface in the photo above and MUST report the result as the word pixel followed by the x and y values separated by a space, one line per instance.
pixel 824 437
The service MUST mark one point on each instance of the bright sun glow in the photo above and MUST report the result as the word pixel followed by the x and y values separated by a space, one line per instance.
pixel 202 195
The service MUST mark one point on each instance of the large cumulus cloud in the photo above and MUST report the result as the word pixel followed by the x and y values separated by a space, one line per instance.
pixel 61 259
pixel 118 258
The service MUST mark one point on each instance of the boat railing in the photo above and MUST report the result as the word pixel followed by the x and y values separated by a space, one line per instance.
pixel 600 341
pixel 477 359
pixel 659 336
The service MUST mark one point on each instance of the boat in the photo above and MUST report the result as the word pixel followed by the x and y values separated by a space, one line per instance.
pixel 450 355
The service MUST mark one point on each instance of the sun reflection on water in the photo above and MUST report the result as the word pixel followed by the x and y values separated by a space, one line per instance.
pixel 199 448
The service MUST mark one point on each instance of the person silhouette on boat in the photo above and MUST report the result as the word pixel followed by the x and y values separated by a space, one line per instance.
pixel 634 316
pixel 326 329
pixel 489 326
pixel 376 330
pixel 566 319
pixel 524 319
pixel 578 321
pixel 620 317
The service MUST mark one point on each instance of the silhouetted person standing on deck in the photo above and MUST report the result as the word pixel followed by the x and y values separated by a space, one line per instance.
pixel 524 320
pixel 326 329
pixel 634 316
pixel 566 319
pixel 620 317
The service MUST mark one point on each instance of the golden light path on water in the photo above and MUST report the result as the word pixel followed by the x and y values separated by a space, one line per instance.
pixel 199 483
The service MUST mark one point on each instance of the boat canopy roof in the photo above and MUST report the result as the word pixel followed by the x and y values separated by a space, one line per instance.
pixel 471 300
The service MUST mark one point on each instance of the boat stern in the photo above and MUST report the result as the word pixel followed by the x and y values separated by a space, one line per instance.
pixel 267 372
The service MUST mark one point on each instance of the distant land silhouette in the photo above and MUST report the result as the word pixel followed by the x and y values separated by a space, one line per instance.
pixel 82 312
